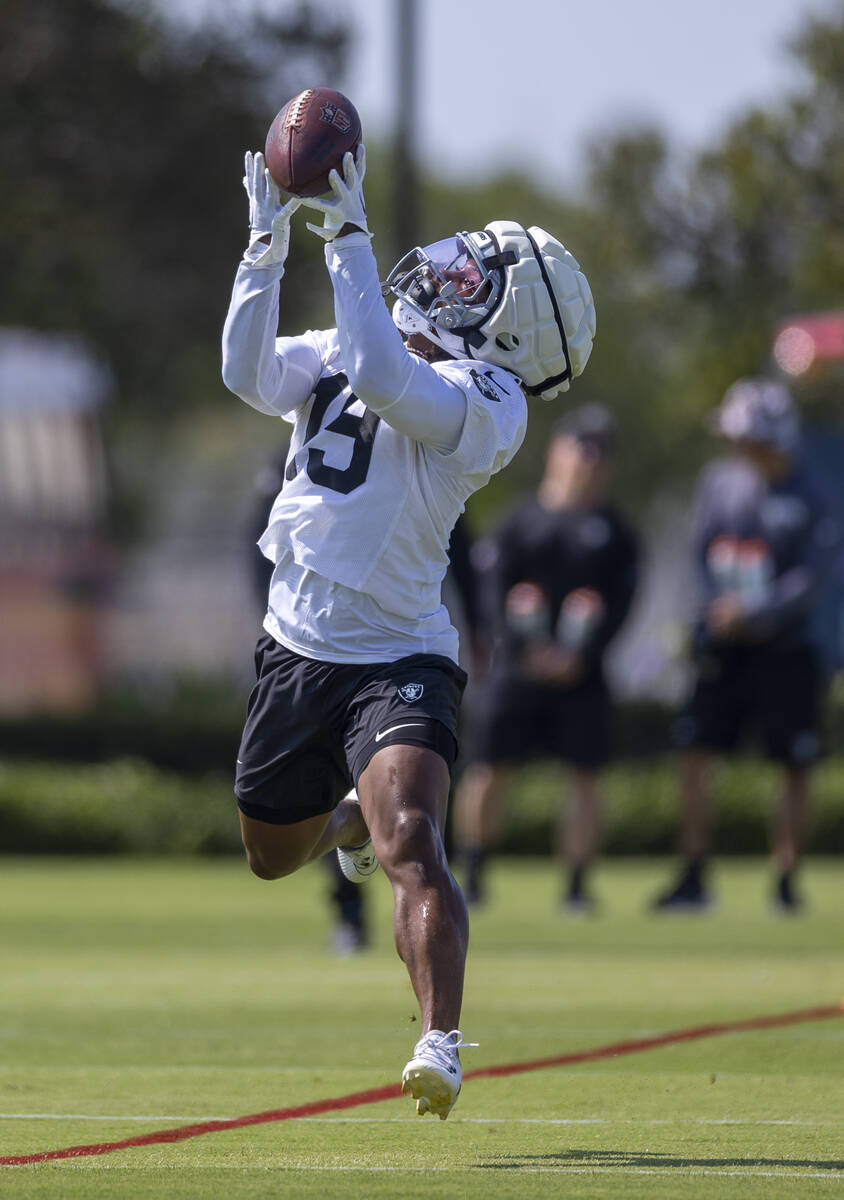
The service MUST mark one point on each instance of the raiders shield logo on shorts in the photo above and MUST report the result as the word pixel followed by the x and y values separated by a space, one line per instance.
pixel 411 692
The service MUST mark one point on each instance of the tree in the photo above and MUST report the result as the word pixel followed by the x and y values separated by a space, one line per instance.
pixel 121 144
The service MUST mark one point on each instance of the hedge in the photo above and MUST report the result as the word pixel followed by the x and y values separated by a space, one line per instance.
pixel 129 806
pixel 192 726
pixel 641 799
pixel 126 806
pixel 195 725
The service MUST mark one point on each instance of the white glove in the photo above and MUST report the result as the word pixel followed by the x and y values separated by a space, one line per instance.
pixel 346 206
pixel 267 217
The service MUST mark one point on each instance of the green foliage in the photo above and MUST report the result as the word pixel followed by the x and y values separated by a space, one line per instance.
pixel 119 807
pixel 642 798
pixel 125 145
pixel 129 806
pixel 191 726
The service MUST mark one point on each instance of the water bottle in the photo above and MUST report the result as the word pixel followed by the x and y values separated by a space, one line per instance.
pixel 527 610
pixel 580 612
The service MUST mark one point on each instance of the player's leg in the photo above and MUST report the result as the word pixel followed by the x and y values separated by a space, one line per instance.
pixel 579 834
pixel 581 729
pixel 505 727
pixel 790 695
pixel 689 891
pixel 291 766
pixel 401 744
pixel 403 795
pixel 477 820
pixel 710 724
pixel 348 902
pixel 696 803
pixel 275 849
pixel 790 825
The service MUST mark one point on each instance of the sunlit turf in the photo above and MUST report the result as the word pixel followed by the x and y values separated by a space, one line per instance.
pixel 137 996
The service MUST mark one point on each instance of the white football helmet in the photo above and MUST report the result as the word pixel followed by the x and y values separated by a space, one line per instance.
pixel 506 295
pixel 758 410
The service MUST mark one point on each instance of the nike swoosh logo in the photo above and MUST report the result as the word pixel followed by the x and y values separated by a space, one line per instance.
pixel 393 728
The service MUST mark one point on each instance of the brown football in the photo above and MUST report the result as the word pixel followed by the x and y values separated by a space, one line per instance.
pixel 308 138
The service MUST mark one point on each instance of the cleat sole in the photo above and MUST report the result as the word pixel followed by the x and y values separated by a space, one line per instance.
pixel 431 1093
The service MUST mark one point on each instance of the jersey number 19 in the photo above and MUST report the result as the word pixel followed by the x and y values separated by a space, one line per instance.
pixel 361 429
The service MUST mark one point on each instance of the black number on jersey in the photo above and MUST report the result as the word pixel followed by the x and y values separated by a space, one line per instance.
pixel 361 429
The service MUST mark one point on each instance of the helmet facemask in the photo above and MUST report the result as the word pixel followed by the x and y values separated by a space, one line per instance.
pixel 449 287
pixel 508 296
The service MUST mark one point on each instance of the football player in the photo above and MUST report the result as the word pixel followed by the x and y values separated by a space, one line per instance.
pixel 396 420
pixel 764 539
pixel 561 572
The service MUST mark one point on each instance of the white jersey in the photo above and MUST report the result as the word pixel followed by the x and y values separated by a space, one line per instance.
pixel 385 451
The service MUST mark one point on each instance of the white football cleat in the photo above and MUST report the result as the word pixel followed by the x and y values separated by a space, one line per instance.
pixel 357 862
pixel 433 1076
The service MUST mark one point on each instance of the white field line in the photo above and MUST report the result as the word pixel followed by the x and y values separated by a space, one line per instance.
pixel 671 1172
pixel 586 1121
pixel 99 1117
pixel 411 1120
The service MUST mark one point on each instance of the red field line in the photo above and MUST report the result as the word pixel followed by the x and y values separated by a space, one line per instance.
pixel 660 1039
pixel 392 1091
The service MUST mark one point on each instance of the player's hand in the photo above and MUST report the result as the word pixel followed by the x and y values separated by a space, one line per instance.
pixel 725 618
pixel 345 206
pixel 269 220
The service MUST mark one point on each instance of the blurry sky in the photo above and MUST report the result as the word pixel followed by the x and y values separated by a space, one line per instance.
pixel 524 82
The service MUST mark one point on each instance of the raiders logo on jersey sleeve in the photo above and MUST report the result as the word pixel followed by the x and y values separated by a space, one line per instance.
pixel 487 386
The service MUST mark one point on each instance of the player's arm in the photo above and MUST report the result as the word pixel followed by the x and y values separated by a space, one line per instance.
pixel 405 391
pixel 273 375
pixel 706 524
pixel 619 593
pixel 793 594
pixel 402 388
pixel 509 564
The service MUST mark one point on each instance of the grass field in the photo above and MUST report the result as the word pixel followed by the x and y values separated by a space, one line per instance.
pixel 141 996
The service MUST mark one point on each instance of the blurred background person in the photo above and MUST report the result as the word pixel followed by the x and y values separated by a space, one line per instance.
pixel 763 539
pixel 561 581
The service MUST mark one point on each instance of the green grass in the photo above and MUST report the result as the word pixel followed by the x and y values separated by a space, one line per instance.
pixel 175 991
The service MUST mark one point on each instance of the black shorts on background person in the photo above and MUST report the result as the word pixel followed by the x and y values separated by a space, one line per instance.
pixel 770 696
pixel 519 720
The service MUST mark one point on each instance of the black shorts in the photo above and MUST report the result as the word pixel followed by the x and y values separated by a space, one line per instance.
pixel 517 720
pixel 312 727
pixel 770 697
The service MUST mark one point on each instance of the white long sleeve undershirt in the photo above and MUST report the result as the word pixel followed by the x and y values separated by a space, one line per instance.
pixel 277 375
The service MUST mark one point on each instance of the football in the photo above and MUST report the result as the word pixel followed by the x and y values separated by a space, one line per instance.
pixel 308 138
